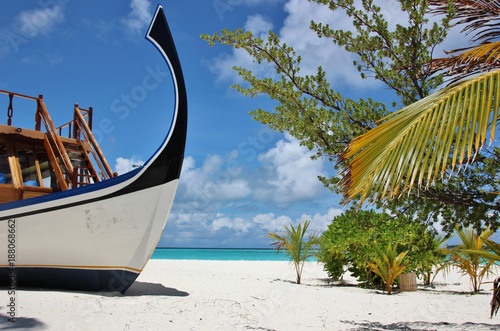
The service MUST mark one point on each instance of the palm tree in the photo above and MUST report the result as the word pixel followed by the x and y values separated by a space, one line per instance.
pixel 468 256
pixel 295 245
pixel 388 265
pixel 441 132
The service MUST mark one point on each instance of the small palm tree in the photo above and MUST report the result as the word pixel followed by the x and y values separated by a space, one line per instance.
pixel 295 245
pixel 437 262
pixel 388 265
pixel 469 257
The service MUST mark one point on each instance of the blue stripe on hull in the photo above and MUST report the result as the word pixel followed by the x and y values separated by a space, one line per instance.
pixel 67 279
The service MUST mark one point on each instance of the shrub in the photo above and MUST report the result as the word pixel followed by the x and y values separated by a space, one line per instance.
pixel 347 244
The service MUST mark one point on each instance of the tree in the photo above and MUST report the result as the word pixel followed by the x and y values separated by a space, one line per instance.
pixel 295 245
pixel 443 133
pixel 308 106
pixel 323 119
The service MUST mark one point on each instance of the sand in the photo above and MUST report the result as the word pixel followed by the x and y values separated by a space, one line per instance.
pixel 243 295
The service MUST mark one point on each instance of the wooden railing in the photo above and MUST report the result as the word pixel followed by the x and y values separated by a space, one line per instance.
pixel 54 139
pixel 80 129
pixel 83 132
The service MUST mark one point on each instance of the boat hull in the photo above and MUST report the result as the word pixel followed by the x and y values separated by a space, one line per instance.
pixel 100 245
pixel 98 237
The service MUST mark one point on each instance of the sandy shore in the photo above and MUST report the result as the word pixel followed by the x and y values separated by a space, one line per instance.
pixel 242 295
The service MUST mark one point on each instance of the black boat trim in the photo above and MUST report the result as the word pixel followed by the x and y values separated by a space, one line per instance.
pixel 71 279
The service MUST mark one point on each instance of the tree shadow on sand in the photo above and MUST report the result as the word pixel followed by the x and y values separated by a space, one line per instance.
pixel 21 323
pixel 419 326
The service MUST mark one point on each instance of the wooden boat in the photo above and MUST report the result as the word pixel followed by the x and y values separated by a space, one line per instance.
pixel 66 221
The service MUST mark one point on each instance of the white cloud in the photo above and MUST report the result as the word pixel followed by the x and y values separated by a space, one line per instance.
pixel 319 221
pixel 291 174
pixel 271 223
pixel 237 224
pixel 40 21
pixel 139 17
pixel 220 201
pixel 124 165
pixel 211 183
pixel 258 25
pixel 188 229
pixel 222 66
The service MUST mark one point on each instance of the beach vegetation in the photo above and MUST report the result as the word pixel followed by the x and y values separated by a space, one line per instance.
pixel 437 261
pixel 296 245
pixel 493 251
pixel 347 244
pixel 443 141
pixel 310 107
pixel 388 265
pixel 467 256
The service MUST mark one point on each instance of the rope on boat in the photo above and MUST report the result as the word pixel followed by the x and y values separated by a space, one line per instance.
pixel 10 109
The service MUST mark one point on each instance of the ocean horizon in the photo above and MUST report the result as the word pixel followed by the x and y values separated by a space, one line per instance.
pixel 220 254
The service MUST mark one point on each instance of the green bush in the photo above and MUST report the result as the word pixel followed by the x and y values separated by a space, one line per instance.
pixel 347 244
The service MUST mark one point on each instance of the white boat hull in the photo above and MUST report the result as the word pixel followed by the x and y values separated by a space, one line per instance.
pixel 115 235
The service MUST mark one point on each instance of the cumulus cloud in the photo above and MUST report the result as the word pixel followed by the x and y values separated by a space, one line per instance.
pixel 280 175
pixel 291 174
pixel 319 221
pixel 139 17
pixel 124 165
pixel 253 2
pixel 237 224
pixel 196 229
pixel 219 201
pixel 222 66
pixel 294 32
pixel 269 222
pixel 213 182
pixel 40 21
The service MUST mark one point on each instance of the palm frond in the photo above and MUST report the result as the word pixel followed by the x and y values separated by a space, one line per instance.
pixel 420 142
pixel 470 61
pixel 477 15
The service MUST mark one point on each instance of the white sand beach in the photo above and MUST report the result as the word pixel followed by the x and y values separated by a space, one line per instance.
pixel 243 295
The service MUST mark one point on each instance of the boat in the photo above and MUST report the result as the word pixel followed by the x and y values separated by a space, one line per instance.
pixel 66 221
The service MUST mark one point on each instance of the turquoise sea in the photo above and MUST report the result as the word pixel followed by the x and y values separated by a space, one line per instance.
pixel 226 254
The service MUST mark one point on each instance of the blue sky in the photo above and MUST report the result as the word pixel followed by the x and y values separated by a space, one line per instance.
pixel 240 179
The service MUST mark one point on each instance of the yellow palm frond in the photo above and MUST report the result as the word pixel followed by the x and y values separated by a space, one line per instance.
pixel 420 142
pixel 470 61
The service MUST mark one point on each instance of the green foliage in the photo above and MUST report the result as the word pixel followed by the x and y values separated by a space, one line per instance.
pixel 396 55
pixel 321 118
pixel 388 265
pixel 435 261
pixel 346 244
pixel 467 259
pixel 307 105
pixel 295 245
pixel 494 247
